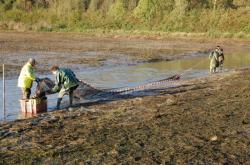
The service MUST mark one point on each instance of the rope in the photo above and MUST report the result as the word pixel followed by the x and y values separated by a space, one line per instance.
pixel 87 84
pixel 156 83
pixel 126 89
pixel 151 84
pixel 191 68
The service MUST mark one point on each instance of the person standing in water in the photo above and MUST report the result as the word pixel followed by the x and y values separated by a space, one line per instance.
pixel 65 83
pixel 26 78
pixel 216 59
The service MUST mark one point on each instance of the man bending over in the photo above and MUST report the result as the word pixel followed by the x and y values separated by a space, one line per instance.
pixel 65 83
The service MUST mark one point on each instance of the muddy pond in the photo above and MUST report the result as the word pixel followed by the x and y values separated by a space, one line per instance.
pixel 116 76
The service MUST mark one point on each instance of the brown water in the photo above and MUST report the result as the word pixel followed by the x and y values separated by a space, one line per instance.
pixel 123 76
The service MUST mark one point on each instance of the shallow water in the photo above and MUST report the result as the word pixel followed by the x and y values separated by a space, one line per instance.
pixel 122 76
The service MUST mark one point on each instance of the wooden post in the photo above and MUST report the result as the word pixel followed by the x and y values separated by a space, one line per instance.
pixel 4 109
pixel 215 3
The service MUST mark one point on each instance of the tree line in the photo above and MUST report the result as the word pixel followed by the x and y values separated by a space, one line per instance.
pixel 162 15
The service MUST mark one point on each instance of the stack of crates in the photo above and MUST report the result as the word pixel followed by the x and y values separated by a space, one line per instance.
pixel 34 106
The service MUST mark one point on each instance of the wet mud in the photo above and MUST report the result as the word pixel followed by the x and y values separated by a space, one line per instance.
pixel 205 121
pixel 201 121
pixel 80 51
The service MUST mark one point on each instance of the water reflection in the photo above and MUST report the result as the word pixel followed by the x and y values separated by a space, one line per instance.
pixel 114 77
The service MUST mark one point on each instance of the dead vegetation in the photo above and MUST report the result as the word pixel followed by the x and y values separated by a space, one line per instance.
pixel 205 121
pixel 202 122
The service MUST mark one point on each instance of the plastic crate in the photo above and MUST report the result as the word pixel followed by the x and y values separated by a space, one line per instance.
pixel 34 106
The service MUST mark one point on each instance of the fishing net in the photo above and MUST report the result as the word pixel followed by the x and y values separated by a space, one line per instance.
pixel 87 92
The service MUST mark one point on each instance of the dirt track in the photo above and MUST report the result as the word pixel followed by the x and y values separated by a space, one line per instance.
pixel 205 121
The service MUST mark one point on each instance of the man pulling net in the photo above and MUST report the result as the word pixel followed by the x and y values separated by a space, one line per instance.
pixel 216 59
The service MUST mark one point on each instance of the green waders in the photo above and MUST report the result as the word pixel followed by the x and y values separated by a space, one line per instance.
pixel 63 92
pixel 26 93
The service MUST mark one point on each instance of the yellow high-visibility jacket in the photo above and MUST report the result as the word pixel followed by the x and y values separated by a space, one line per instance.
pixel 26 76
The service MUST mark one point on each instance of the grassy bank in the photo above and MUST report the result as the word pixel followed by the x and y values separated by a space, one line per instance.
pixel 133 16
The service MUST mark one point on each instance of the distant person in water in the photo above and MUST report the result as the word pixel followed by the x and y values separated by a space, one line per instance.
pixel 65 83
pixel 26 78
pixel 216 59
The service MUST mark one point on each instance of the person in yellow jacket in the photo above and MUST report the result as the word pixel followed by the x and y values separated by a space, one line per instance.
pixel 26 78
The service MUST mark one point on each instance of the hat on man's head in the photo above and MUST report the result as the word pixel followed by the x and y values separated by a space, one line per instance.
pixel 32 61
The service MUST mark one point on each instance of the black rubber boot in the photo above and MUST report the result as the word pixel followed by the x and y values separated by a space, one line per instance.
pixel 70 99
pixel 71 96
pixel 26 93
pixel 58 103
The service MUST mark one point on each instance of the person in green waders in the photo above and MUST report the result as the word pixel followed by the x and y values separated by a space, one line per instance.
pixel 26 78
pixel 65 83
pixel 216 59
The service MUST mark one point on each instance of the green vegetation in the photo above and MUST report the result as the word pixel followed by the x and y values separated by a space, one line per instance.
pixel 227 18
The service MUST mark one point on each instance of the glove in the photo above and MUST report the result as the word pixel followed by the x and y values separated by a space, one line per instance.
pixel 37 79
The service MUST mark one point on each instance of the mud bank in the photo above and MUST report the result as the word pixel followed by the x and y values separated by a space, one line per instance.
pixel 205 121
pixel 81 51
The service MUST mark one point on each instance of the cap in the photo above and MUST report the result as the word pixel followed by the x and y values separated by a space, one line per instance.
pixel 32 61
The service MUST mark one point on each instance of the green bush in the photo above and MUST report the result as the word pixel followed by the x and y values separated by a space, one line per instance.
pixel 117 10
pixel 14 15
pixel 184 16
